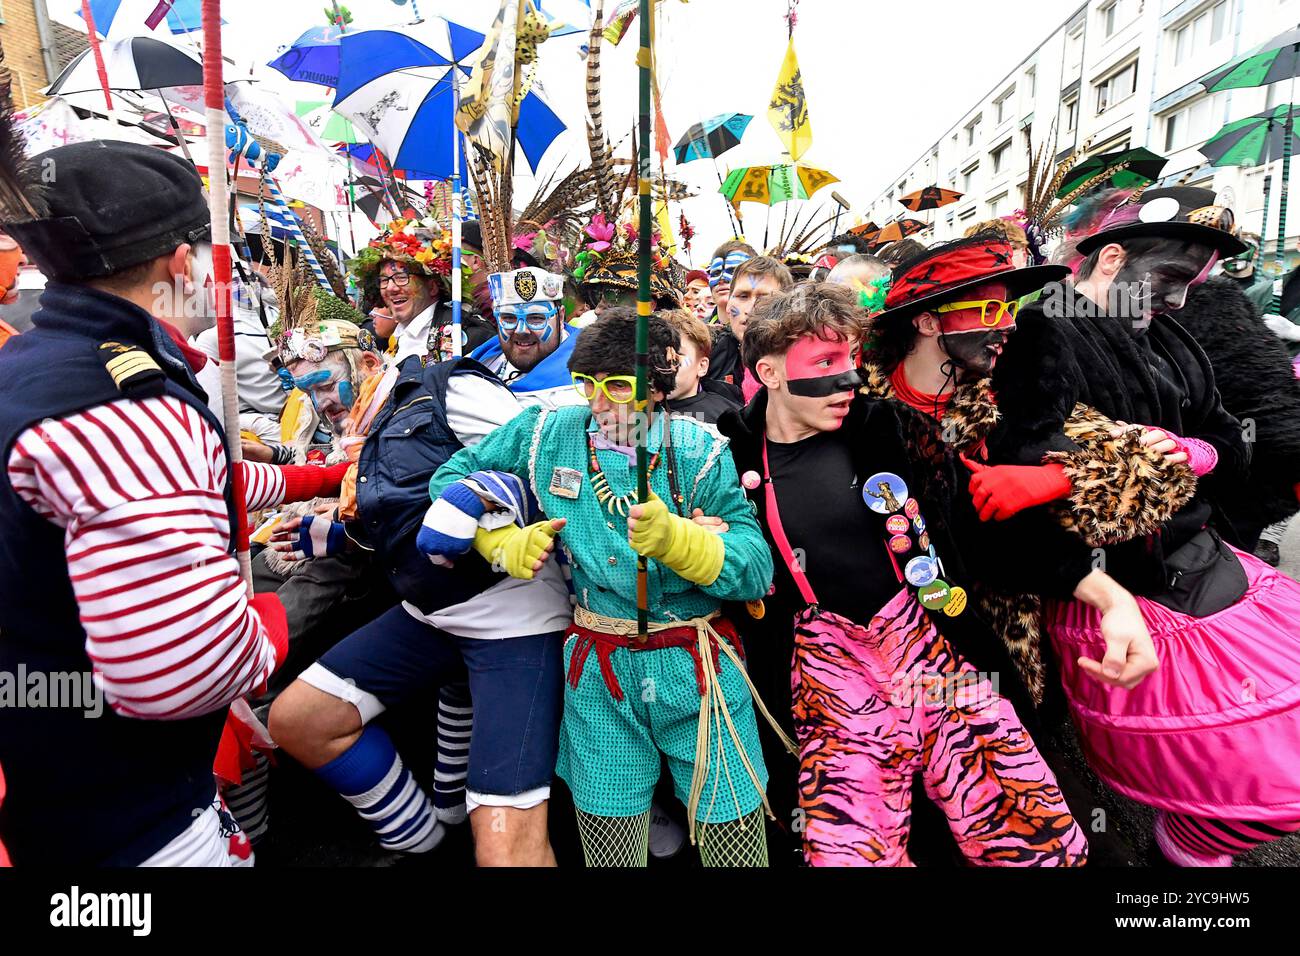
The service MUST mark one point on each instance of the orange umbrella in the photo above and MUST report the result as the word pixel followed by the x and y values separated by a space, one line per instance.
pixel 865 231
pixel 931 197
pixel 898 229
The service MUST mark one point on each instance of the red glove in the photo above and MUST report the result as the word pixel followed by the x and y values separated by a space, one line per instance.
pixel 271 612
pixel 1001 491
pixel 305 482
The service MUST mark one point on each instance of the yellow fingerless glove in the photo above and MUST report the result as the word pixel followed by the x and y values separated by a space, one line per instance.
pixel 693 552
pixel 514 549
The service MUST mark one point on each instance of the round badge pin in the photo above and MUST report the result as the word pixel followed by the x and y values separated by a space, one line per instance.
pixel 956 602
pixel 923 540
pixel 918 523
pixel 896 524
pixel 900 543
pixel 884 492
pixel 911 508
pixel 935 595
pixel 921 571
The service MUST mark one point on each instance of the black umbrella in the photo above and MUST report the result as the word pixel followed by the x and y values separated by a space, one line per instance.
pixel 1141 166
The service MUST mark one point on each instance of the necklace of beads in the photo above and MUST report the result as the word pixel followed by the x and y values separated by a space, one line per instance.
pixel 615 504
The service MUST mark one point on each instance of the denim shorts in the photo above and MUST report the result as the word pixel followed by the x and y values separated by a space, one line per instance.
pixel 516 683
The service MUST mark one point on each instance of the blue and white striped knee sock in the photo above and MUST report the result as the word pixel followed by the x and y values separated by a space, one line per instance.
pixel 371 776
pixel 455 724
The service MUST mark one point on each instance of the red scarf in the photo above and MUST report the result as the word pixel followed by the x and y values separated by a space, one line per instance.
pixel 932 405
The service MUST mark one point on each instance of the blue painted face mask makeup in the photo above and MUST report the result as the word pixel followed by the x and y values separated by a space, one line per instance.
pixel 721 270
pixel 536 318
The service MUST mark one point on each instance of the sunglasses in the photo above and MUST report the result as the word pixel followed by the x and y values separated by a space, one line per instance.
pixel 619 389
pixel 535 318
pixel 992 311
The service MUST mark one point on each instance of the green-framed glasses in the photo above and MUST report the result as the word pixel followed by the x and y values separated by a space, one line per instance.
pixel 619 389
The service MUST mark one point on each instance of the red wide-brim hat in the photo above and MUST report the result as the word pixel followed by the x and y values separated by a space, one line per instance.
pixel 943 277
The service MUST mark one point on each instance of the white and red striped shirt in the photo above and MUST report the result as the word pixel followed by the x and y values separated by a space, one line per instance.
pixel 137 486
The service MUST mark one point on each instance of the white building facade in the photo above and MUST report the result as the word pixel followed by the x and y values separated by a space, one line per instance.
pixel 1117 74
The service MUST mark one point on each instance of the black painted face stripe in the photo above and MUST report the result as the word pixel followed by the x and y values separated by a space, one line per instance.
pixel 826 385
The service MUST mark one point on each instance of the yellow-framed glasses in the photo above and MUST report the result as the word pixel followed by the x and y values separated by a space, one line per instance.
pixel 991 317
pixel 619 389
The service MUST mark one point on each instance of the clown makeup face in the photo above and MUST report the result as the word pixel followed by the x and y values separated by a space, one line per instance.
pixel 698 299
pixel 333 383
pixel 749 291
pixel 405 293
pixel 815 381
pixel 973 337
pixel 1156 281
pixel 529 333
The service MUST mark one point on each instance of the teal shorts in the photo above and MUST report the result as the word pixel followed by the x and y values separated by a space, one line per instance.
pixel 609 749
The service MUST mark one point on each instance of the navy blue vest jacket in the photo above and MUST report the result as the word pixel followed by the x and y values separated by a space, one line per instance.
pixel 408 441
pixel 107 790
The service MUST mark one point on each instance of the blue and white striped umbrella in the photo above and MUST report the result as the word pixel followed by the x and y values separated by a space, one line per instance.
pixel 396 87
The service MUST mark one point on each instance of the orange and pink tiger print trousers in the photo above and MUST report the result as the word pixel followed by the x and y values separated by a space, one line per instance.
pixel 873 707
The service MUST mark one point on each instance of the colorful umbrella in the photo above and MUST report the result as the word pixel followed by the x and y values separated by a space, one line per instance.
pixel 712 138
pixel 898 230
pixel 1251 141
pixel 867 230
pixel 1271 62
pixel 931 197
pixel 773 184
pixel 365 153
pixel 396 86
pixel 325 123
pixel 312 58
pixel 1141 166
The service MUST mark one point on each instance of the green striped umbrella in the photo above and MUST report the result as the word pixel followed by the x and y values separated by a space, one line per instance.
pixel 1271 62
pixel 1252 141
pixel 773 184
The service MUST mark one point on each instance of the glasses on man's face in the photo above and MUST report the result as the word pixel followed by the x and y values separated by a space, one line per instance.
pixel 992 311
pixel 399 279
pixel 619 389
pixel 535 318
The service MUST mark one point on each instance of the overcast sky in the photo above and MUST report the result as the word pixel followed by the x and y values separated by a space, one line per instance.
pixel 884 78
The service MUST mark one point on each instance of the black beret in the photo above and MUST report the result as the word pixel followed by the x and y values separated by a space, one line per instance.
pixel 111 206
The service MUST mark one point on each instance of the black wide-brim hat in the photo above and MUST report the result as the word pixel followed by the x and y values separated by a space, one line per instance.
pixel 933 280
pixel 1182 213
pixel 111 205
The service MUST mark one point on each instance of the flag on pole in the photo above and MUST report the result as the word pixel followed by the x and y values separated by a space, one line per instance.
pixel 788 109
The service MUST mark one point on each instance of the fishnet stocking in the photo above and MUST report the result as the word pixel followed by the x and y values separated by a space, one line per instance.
pixel 615 841
pixel 740 842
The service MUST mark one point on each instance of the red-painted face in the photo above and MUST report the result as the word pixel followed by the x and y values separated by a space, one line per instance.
pixel 820 377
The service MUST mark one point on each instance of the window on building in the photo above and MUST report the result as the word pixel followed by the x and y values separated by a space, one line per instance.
pixel 1070 113
pixel 968 215
pixel 1117 87
pixel 1202 31
pixel 1193 123
pixel 998 206
pixel 1074 47
pixel 1031 82
pixel 1112 16
pixel 973 130
pixel 968 176
pixel 999 157
pixel 1002 107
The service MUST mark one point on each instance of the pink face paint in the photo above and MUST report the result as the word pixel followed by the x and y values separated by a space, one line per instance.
pixel 1205 273
pixel 818 368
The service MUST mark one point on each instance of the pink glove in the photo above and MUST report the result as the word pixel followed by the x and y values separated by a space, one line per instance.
pixel 1201 456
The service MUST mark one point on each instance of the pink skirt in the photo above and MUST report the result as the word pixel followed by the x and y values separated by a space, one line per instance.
pixel 1215 730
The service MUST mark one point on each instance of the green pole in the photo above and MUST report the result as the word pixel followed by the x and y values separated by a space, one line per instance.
pixel 643 309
